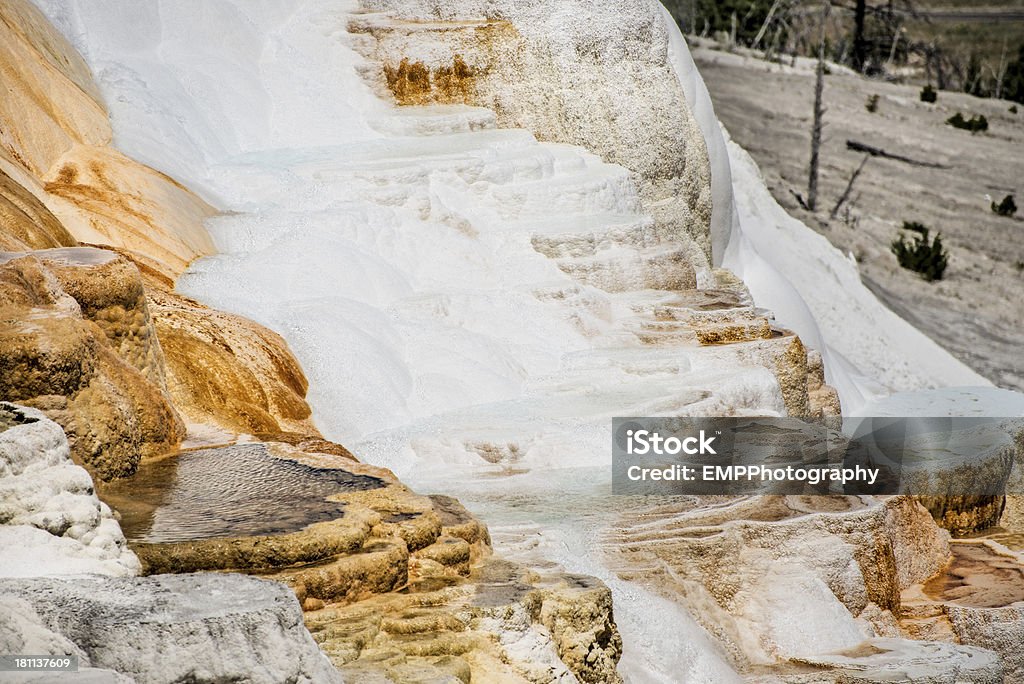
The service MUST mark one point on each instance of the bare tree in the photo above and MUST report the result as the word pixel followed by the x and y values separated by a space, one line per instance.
pixel 860 39
pixel 819 114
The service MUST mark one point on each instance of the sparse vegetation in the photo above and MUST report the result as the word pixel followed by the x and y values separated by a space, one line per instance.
pixel 1005 208
pixel 929 94
pixel 851 219
pixel 922 255
pixel 872 104
pixel 976 124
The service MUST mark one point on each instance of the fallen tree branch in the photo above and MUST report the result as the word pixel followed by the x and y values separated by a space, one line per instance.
pixel 849 187
pixel 879 152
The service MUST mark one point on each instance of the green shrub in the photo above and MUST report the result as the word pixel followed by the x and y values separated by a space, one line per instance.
pixel 921 255
pixel 1013 109
pixel 976 124
pixel 1005 208
pixel 872 104
pixel 929 94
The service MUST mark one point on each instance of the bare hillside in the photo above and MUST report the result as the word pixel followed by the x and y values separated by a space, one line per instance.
pixel 977 311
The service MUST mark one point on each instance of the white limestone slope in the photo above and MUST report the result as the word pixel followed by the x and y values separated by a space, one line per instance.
pixel 397 251
pixel 403 266
pixel 193 103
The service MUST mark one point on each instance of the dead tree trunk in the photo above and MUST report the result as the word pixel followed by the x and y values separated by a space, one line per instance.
pixel 860 40
pixel 1001 72
pixel 896 35
pixel 767 23
pixel 819 114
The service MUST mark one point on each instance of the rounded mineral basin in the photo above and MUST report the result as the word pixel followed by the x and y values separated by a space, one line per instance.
pixel 235 491
pixel 978 577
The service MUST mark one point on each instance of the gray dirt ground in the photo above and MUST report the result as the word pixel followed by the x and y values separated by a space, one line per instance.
pixel 977 311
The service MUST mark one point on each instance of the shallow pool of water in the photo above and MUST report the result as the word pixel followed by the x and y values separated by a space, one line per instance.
pixel 241 490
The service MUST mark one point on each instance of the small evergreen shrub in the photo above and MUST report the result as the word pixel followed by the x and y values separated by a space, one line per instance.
pixel 1005 208
pixel 929 94
pixel 1013 109
pixel 921 255
pixel 976 124
pixel 872 104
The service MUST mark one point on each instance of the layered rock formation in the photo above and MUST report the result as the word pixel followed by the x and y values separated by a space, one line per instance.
pixel 225 369
pixel 505 624
pixel 975 599
pixel 394 584
pixel 93 358
pixel 79 343
pixel 583 74
pixel 28 224
pixel 857 560
pixel 601 78
pixel 84 338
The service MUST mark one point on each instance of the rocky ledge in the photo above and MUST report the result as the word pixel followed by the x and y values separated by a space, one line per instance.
pixel 186 628
pixel 895 600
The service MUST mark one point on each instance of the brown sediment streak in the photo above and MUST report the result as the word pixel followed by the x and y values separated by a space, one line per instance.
pixel 413 83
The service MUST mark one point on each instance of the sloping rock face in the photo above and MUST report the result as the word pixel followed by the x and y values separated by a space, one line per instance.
pixel 114 357
pixel 227 370
pixel 109 384
pixel 55 143
pixel 51 522
pixel 27 223
pixel 197 628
